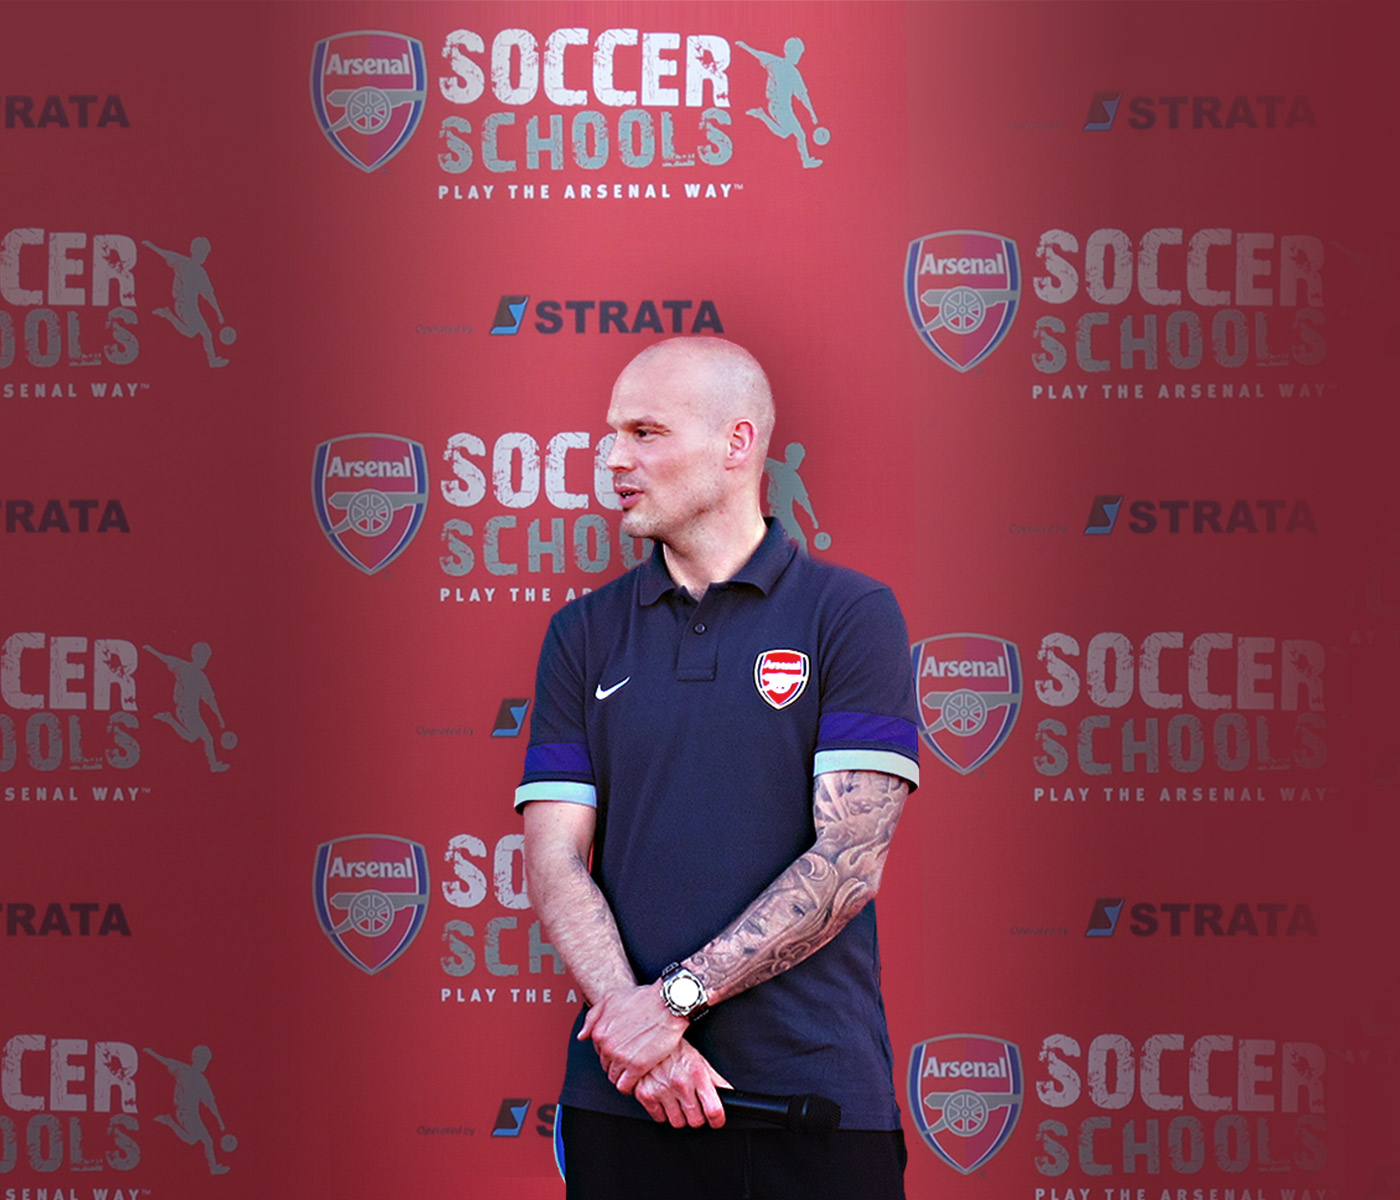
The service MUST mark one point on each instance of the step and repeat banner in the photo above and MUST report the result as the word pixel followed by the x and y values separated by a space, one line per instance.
pixel 1081 323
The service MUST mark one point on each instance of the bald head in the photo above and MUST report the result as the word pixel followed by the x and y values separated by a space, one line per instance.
pixel 692 418
pixel 721 381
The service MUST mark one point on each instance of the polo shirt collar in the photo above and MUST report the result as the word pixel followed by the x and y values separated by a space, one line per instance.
pixel 762 570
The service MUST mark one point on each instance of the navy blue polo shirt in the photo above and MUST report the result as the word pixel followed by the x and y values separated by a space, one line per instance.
pixel 697 730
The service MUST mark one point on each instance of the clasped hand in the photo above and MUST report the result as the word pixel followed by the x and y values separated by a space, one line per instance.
pixel 641 1046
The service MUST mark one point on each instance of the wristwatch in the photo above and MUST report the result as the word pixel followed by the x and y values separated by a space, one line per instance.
pixel 683 992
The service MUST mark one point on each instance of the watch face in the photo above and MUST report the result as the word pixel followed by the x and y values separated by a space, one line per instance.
pixel 683 992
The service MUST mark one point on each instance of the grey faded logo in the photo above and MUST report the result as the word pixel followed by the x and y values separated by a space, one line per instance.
pixel 192 694
pixel 787 493
pixel 785 85
pixel 191 286
pixel 192 1096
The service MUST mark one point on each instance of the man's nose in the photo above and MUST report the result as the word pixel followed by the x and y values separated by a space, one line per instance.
pixel 618 458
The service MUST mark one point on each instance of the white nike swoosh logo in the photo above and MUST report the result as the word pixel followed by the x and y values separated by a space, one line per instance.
pixel 602 694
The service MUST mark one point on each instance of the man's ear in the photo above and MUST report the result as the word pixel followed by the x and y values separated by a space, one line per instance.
pixel 743 437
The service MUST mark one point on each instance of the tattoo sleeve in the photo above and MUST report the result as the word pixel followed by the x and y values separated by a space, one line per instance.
pixel 855 813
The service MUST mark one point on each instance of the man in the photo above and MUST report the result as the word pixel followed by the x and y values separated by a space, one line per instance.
pixel 726 734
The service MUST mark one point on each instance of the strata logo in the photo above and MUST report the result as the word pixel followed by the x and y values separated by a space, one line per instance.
pixel 368 90
pixel 1103 514
pixel 1103 921
pixel 1200 112
pixel 511 1118
pixel 515 1112
pixel 510 312
pixel 510 717
pixel 78 1100
pixel 371 926
pixel 967 720
pixel 962 289
pixel 607 316
pixel 1103 110
pixel 965 1092
pixel 1186 919
pixel 65 112
pixel 64 920
pixel 65 516
pixel 370 525
pixel 1201 516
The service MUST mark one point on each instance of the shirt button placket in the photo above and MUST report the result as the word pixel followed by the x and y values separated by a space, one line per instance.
pixel 698 657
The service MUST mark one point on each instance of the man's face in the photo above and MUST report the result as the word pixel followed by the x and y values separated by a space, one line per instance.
pixel 668 457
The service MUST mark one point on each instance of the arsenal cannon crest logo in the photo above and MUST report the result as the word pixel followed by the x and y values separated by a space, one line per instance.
pixel 962 289
pixel 781 676
pixel 370 492
pixel 965 1093
pixel 368 89
pixel 371 895
pixel 969 692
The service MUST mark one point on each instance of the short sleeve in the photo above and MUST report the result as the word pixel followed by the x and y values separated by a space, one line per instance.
pixel 557 763
pixel 868 706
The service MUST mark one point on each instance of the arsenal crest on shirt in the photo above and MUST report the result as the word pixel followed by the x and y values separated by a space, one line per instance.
pixel 962 289
pixel 780 676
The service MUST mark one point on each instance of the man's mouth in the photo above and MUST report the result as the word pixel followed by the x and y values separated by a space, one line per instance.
pixel 627 496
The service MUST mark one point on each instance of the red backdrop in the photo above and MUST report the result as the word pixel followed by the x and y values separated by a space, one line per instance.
pixel 1080 321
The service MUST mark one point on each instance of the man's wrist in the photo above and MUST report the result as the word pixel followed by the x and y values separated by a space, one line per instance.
pixel 684 993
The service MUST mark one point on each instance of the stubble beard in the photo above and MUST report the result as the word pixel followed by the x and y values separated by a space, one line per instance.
pixel 677 518
pixel 634 524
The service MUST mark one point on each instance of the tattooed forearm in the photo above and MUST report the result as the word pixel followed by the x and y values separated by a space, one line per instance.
pixel 855 813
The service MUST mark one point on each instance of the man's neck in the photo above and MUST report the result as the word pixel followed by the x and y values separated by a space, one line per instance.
pixel 694 566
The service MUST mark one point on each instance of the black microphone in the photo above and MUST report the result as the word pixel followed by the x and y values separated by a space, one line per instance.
pixel 800 1114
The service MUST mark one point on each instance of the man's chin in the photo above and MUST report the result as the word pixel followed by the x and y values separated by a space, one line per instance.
pixel 635 526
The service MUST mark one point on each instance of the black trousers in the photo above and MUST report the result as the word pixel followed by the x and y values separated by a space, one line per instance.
pixel 622 1158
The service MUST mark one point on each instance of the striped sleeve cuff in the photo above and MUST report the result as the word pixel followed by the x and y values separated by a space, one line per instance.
pixel 889 762
pixel 556 789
